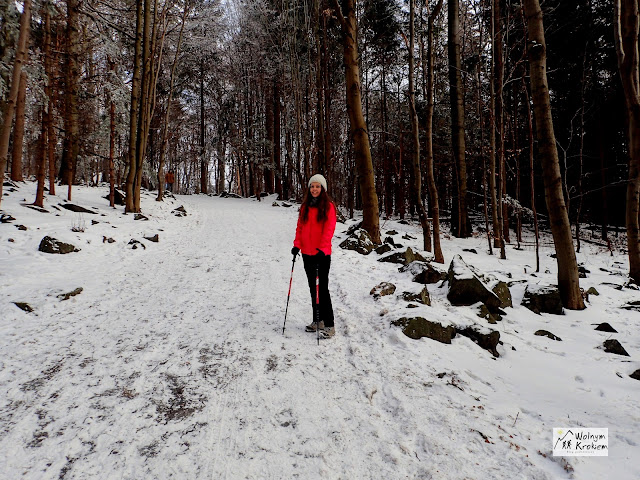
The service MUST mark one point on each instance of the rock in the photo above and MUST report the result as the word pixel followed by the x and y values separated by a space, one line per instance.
pixel 390 241
pixel 470 250
pixel 486 340
pixel 613 346
pixel 35 207
pixel 340 218
pixel 635 305
pixel 51 245
pixel 503 293
pixel 404 258
pixel 139 216
pixel 275 204
pixel 605 327
pixel 582 271
pixel 359 241
pixel 155 238
pixel 545 333
pixel 21 227
pixel 73 293
pixel 391 232
pixel 95 222
pixel 465 288
pixel 286 205
pixel 23 306
pixel 411 305
pixel 543 299
pixel 424 272
pixel 354 228
pixel 383 249
pixel 77 208
pixel 134 244
pixel 118 197
pixel 107 239
pixel 406 236
pixel 382 289
pixel 422 297
pixel 492 318
pixel 636 375
pixel 418 327
pixel 592 291
pixel 180 211
pixel 6 218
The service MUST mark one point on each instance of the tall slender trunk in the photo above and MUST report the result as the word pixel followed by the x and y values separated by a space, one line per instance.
pixel 358 131
pixel 50 59
pixel 457 118
pixel 9 106
pixel 277 151
pixel 627 22
pixel 531 178
pixel 18 131
pixel 568 280
pixel 493 176
pixel 204 167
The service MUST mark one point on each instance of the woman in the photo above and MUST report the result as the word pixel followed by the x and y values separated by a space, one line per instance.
pixel 316 224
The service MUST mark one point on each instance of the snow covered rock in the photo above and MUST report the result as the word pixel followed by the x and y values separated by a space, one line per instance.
pixel 382 249
pixel 51 245
pixel 465 288
pixel 424 272
pixel 636 375
pixel 359 241
pixel 421 297
pixel 546 333
pixel 383 289
pixel 405 257
pixel 418 327
pixel 24 306
pixel 485 337
pixel 543 299
pixel 118 197
pixel 613 346
pixel 77 208
pixel 501 289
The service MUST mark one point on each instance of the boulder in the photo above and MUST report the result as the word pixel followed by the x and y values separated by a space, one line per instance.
pixel 21 227
pixel 545 333
pixel 68 295
pixel 359 241
pixel 613 346
pixel 275 204
pixel 465 288
pixel 582 271
pixel 107 239
pixel 118 197
pixel 543 299
pixel 424 272
pixel 24 306
pixel 6 218
pixel 354 228
pixel 592 291
pixel 605 327
pixel 77 208
pixel 492 318
pixel 635 305
pixel 470 250
pixel 179 212
pixel 154 238
pixel 382 289
pixel 134 244
pixel 404 258
pixel 382 249
pixel 51 245
pixel 503 293
pixel 391 232
pixel 485 338
pixel 139 216
pixel 636 375
pixel 418 327
pixel 421 297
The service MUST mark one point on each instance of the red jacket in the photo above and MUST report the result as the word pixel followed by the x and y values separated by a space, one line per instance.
pixel 313 234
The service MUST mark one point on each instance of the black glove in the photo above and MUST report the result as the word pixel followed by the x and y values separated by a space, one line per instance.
pixel 295 251
pixel 320 253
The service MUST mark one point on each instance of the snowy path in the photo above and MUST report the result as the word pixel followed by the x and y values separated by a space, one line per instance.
pixel 172 364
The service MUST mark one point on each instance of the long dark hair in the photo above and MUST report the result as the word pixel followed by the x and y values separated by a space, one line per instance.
pixel 324 200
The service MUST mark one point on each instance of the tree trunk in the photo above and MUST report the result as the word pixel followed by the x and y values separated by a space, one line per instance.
pixel 358 132
pixel 41 161
pixel 277 151
pixel 532 177
pixel 9 106
pixel 462 229
pixel 568 281
pixel 415 136
pixel 627 21
pixel 18 131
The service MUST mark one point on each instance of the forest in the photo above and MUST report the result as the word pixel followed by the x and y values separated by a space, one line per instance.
pixel 474 117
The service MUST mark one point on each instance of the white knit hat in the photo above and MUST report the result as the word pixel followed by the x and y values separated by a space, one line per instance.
pixel 319 179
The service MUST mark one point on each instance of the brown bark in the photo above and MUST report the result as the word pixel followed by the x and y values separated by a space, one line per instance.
pixel 627 22
pixel 358 128
pixel 18 131
pixel 277 151
pixel 9 106
pixel 532 178
pixel 415 137
pixel 457 119
pixel 568 281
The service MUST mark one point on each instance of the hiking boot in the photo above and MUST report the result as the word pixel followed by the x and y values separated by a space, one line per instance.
pixel 327 332
pixel 312 326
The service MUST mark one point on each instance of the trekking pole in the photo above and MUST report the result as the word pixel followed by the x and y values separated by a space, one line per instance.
pixel 289 294
pixel 318 302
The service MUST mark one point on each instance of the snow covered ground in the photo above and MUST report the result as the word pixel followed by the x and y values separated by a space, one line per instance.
pixel 171 362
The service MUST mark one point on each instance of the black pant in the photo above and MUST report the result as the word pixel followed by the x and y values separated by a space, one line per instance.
pixel 323 263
